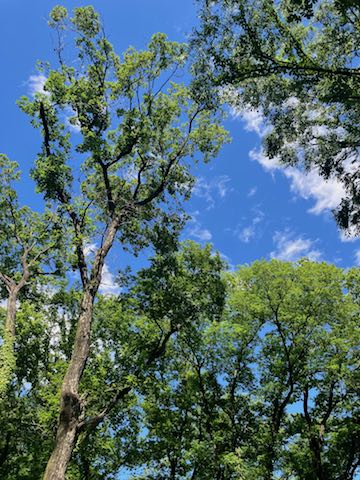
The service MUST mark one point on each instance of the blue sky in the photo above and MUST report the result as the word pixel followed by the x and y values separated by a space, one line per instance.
pixel 247 206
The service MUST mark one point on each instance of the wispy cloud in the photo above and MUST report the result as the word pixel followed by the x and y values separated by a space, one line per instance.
pixel 36 84
pixel 290 248
pixel 209 189
pixel 245 233
pixel 201 233
pixel 196 229
pixel 108 285
pixel 252 192
pixel 357 257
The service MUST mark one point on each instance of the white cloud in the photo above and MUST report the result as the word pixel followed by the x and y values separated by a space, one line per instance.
pixel 74 125
pixel 291 102
pixel 326 193
pixel 108 285
pixel 201 233
pixel 245 234
pixel 266 162
pixel 3 303
pixel 349 235
pixel 253 119
pixel 36 84
pixel 290 249
pixel 252 192
pixel 89 249
pixel 196 229
pixel 207 189
pixel 357 257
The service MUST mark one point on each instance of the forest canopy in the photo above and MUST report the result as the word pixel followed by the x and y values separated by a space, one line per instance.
pixel 296 62
pixel 188 367
pixel 258 377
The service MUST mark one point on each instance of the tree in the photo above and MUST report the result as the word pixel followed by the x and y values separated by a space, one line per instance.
pixel 137 128
pixel 131 334
pixel 30 243
pixel 297 62
pixel 266 392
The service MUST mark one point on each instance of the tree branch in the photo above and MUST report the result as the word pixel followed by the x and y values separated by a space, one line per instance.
pixel 172 161
pixel 7 280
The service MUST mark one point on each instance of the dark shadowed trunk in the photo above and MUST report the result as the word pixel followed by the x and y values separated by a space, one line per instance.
pixel 315 441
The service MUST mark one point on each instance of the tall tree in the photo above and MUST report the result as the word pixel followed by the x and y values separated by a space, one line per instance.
pixel 297 61
pixel 136 130
pixel 266 392
pixel 29 247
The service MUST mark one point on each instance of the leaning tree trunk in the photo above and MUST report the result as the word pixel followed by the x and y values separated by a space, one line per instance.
pixel 7 353
pixel 71 407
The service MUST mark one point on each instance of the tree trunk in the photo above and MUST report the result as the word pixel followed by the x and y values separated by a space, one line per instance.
pixel 315 446
pixel 71 407
pixel 7 354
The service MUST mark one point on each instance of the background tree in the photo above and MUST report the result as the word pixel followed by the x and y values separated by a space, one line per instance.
pixel 136 128
pixel 297 62
pixel 266 392
pixel 132 331
pixel 29 249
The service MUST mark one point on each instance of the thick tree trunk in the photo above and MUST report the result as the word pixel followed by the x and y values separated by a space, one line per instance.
pixel 71 407
pixel 315 446
pixel 7 354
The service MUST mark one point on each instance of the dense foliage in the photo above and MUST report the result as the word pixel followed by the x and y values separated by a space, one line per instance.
pixel 186 370
pixel 296 62
pixel 248 374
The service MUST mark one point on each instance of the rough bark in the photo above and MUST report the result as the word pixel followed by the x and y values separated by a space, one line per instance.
pixel 71 406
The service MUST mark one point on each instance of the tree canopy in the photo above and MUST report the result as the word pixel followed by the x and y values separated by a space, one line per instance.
pixel 297 62
pixel 189 370
pixel 253 374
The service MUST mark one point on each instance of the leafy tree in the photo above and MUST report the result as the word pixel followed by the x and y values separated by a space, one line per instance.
pixel 137 130
pixel 29 248
pixel 131 333
pixel 297 61
pixel 266 392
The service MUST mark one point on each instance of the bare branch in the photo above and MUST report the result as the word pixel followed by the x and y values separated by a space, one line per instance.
pixel 144 164
pixel 108 189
